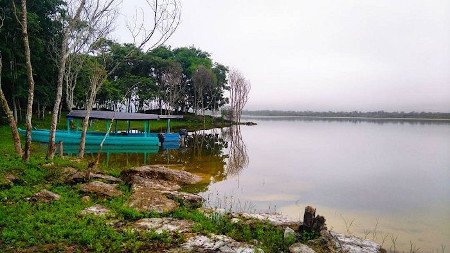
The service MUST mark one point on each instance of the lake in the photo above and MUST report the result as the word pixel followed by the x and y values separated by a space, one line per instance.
pixel 384 180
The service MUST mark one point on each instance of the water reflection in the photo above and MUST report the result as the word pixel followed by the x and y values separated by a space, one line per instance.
pixel 213 154
pixel 237 157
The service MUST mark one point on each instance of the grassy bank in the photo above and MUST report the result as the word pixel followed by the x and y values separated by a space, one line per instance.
pixel 58 226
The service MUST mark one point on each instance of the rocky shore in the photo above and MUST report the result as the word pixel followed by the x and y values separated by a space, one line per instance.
pixel 156 189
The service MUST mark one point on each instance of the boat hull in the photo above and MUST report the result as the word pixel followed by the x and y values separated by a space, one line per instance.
pixel 94 138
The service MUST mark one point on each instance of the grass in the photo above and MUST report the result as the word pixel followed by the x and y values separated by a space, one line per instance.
pixel 58 226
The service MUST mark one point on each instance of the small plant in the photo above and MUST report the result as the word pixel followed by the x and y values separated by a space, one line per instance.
pixel 394 243
pixel 348 224
pixel 306 236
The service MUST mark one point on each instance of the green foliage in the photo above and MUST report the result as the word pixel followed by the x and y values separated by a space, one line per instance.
pixel 44 34
pixel 306 236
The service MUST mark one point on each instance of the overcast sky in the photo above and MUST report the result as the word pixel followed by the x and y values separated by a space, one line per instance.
pixel 388 55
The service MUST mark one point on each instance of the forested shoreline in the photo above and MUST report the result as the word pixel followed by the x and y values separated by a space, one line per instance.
pixel 353 114
pixel 137 79
pixel 57 56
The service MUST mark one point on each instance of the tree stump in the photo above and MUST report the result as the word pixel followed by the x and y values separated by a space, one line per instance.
pixel 311 222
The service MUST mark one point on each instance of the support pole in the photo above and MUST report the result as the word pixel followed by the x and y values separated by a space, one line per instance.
pixel 61 149
pixel 145 128
pixel 168 126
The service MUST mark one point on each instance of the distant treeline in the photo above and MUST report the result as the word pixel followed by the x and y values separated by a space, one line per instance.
pixel 355 114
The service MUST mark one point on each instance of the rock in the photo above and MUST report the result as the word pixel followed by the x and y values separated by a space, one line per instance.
pixel 300 248
pixel 45 196
pixel 324 243
pixel 235 220
pixel 216 243
pixel 8 180
pixel 311 222
pixel 352 244
pixel 101 189
pixel 289 232
pixel 97 210
pixel 147 200
pixel 151 183
pixel 72 176
pixel 184 198
pixel 5 184
pixel 163 224
pixel 160 173
pixel 12 178
pixel 105 178
pixel 86 199
pixel 276 219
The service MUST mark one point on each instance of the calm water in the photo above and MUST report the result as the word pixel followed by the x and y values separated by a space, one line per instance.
pixel 390 177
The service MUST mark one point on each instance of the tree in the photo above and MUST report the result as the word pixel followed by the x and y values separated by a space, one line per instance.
pixel 202 79
pixel 171 81
pixel 95 81
pixel 239 91
pixel 84 22
pixel 10 116
pixel 26 44
pixel 42 28
pixel 166 18
pixel 4 102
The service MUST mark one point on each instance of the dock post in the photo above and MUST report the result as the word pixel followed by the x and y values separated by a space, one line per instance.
pixel 61 149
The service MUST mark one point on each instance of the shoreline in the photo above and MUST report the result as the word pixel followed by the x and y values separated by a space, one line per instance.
pixel 347 118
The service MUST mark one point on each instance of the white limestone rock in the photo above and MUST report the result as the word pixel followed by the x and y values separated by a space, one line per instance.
pixel 352 244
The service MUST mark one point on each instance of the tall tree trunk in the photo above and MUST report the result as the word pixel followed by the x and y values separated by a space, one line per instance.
pixel 95 81
pixel 59 86
pixel 20 111
pixel 26 44
pixel 38 109
pixel 14 108
pixel 43 110
pixel 10 116
pixel 64 54
pixel 89 106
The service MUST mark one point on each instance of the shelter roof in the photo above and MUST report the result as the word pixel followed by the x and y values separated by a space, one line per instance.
pixel 120 115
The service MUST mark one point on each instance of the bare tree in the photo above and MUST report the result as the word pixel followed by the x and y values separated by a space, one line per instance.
pixel 166 16
pixel 171 79
pixel 202 80
pixel 95 80
pixel 239 91
pixel 74 65
pixel 85 22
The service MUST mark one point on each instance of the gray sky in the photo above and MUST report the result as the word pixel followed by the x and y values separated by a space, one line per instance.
pixel 326 54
